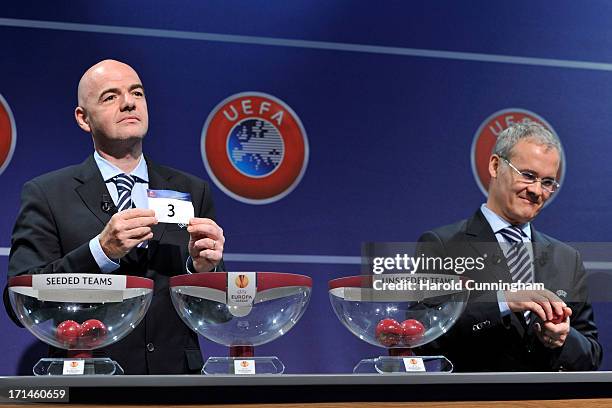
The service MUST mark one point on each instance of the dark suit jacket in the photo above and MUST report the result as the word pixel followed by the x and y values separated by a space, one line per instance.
pixel 61 212
pixel 481 340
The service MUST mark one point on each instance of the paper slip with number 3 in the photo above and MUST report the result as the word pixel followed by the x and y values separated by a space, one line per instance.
pixel 170 206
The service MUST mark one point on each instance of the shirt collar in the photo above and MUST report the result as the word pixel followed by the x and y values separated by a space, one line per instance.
pixel 109 170
pixel 497 223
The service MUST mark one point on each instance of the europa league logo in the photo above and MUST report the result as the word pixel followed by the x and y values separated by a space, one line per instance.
pixel 242 281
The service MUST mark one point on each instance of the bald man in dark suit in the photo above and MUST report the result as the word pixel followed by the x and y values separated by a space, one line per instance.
pixel 73 221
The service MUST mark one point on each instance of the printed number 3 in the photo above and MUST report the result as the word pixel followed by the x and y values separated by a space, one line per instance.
pixel 171 210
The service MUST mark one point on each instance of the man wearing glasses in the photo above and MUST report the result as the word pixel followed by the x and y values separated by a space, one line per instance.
pixel 527 330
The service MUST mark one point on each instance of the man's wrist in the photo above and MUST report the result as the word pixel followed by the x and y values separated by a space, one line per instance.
pixel 504 309
pixel 105 264
pixel 190 267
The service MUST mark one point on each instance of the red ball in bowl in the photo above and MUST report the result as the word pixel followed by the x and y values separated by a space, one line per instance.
pixel 388 332
pixel 67 333
pixel 93 332
pixel 412 330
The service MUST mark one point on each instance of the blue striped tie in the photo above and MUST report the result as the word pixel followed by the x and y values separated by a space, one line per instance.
pixel 518 259
pixel 124 185
pixel 517 256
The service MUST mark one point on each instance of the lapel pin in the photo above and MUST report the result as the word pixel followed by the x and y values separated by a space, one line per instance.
pixel 496 259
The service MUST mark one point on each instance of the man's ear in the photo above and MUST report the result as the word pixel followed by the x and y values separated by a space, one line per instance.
pixel 493 165
pixel 80 114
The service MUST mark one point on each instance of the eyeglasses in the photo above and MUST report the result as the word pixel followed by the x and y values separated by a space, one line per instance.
pixel 549 184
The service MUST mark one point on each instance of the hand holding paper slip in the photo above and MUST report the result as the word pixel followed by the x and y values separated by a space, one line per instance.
pixel 172 207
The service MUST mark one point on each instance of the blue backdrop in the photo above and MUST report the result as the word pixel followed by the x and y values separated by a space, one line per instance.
pixel 390 96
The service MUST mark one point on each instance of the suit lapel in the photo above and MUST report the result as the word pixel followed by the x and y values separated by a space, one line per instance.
pixel 542 265
pixel 480 234
pixel 92 189
pixel 481 237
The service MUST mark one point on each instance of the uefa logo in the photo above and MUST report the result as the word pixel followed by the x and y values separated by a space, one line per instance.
pixel 8 134
pixel 486 136
pixel 254 148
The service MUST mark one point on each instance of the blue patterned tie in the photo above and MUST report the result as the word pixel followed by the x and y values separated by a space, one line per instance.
pixel 517 256
pixel 518 259
pixel 124 185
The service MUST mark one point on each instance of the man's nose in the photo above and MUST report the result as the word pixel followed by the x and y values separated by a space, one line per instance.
pixel 535 188
pixel 128 102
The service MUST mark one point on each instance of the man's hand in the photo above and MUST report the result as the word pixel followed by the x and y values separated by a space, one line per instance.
pixel 206 242
pixel 545 304
pixel 552 335
pixel 125 230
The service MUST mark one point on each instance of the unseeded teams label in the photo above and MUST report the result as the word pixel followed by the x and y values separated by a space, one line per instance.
pixel 78 281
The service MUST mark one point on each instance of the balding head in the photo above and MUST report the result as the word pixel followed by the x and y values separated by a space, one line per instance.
pixel 112 105
pixel 93 75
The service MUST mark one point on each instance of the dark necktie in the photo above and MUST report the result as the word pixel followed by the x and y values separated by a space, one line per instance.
pixel 518 259
pixel 124 185
pixel 517 256
pixel 135 260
